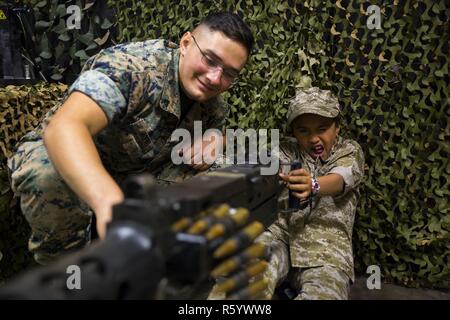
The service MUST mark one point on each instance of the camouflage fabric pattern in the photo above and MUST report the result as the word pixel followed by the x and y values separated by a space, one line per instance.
pixel 137 87
pixel 59 221
pixel 321 283
pixel 315 101
pixel 317 283
pixel 326 237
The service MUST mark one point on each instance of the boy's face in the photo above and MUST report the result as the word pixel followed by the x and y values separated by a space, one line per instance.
pixel 199 81
pixel 315 134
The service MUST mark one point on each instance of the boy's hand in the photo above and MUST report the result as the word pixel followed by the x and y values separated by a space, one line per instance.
pixel 299 181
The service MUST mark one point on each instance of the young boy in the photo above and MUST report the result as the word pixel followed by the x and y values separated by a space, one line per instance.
pixel 312 247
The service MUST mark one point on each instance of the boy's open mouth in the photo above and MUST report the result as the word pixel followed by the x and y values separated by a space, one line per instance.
pixel 317 151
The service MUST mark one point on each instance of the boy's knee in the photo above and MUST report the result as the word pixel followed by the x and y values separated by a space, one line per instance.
pixel 322 283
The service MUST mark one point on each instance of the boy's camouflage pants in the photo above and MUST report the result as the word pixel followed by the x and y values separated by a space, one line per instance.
pixel 315 283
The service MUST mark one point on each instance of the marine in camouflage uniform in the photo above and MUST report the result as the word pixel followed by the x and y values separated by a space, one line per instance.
pixel 312 247
pixel 137 87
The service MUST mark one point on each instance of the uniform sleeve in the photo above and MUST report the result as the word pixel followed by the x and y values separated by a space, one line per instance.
pixel 105 80
pixel 350 166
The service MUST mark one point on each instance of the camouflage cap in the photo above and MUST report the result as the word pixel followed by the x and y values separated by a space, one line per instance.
pixel 315 101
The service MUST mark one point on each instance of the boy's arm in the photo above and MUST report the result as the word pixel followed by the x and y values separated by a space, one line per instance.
pixel 300 182
pixel 331 185
pixel 347 174
pixel 350 166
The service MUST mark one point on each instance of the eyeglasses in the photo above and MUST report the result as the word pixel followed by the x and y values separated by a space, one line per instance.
pixel 228 74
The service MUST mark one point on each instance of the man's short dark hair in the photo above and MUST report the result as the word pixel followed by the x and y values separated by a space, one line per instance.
pixel 232 26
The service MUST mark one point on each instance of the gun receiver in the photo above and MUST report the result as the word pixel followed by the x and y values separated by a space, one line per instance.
pixel 147 242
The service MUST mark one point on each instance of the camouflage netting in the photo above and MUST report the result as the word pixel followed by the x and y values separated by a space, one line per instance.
pixel 20 110
pixel 392 83
pixel 63 42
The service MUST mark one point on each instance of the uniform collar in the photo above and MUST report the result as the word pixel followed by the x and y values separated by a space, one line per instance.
pixel 170 97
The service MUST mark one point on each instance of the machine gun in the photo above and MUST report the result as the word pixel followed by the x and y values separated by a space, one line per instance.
pixel 164 242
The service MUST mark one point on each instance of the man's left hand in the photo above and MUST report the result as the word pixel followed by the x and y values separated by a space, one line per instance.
pixel 203 152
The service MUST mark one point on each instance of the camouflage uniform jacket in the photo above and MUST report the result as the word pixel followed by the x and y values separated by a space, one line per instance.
pixel 137 86
pixel 326 236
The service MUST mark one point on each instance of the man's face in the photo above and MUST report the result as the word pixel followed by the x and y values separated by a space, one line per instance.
pixel 315 134
pixel 199 81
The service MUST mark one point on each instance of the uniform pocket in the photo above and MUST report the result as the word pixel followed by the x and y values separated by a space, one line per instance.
pixel 26 162
pixel 141 133
pixel 135 140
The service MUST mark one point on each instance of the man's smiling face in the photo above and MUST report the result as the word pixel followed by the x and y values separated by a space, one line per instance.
pixel 200 81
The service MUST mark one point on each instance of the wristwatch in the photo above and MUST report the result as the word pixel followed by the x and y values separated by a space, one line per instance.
pixel 315 186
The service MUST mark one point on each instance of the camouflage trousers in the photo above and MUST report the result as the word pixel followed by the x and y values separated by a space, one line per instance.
pixel 60 222
pixel 313 283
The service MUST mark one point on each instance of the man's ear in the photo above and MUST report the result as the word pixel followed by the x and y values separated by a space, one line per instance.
pixel 184 42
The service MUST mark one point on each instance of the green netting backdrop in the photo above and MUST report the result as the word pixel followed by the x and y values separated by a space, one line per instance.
pixel 392 82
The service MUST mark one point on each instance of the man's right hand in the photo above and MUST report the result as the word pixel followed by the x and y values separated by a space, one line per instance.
pixel 103 217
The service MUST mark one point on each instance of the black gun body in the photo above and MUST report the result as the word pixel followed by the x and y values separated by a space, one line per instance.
pixel 140 249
